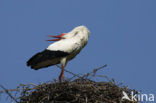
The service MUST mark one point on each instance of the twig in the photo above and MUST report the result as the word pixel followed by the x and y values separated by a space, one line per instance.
pixel 9 94
pixel 94 71
pixel 76 75
pixel 103 76
pixel 10 90
pixel 87 74
pixel 17 89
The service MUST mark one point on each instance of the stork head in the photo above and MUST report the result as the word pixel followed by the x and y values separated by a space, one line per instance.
pixel 80 31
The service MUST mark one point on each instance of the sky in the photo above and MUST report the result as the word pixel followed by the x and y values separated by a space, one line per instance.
pixel 123 36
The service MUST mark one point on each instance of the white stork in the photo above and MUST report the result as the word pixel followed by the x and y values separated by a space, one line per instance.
pixel 68 45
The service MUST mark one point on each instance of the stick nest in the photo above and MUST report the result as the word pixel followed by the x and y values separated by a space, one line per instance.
pixel 77 91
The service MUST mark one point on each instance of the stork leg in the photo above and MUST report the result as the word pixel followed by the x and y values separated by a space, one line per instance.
pixel 61 74
pixel 63 62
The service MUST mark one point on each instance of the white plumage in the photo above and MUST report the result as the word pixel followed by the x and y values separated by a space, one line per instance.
pixel 76 39
pixel 68 45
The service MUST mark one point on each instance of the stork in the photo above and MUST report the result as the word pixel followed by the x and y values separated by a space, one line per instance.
pixel 66 47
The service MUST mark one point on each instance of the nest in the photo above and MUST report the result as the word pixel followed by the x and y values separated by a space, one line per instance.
pixel 77 91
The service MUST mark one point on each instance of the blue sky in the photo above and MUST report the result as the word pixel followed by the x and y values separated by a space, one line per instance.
pixel 123 36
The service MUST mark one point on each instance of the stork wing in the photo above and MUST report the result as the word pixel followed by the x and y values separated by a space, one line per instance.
pixel 67 45
pixel 45 58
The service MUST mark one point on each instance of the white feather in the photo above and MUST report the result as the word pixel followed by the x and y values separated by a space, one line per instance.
pixel 72 42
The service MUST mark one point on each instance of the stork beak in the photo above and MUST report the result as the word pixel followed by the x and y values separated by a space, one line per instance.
pixel 59 37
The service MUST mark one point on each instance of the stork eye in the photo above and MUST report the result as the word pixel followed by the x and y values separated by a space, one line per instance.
pixel 76 33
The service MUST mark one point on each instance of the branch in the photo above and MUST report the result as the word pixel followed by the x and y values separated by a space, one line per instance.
pixel 8 93
pixel 76 75
pixel 18 89
pixel 94 71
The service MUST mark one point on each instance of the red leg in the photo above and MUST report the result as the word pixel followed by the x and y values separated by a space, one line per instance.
pixel 60 79
pixel 61 74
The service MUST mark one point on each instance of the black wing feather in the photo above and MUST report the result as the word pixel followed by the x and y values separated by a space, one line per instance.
pixel 43 56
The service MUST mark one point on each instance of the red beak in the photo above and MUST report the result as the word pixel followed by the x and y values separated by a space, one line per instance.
pixel 59 37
